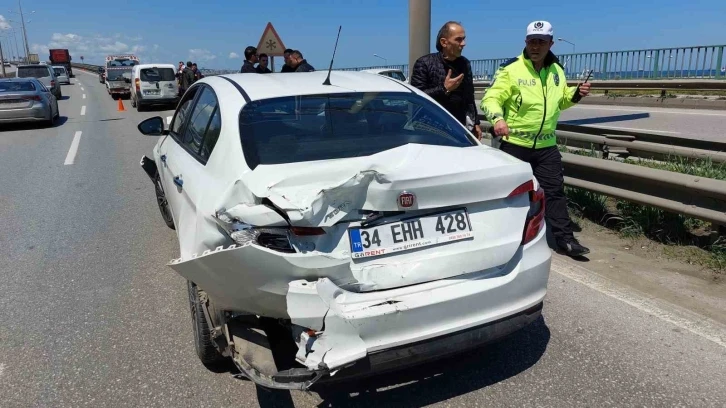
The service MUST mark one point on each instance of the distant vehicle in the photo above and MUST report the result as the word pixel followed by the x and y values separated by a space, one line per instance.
pixel 27 100
pixel 61 74
pixel 118 74
pixel 153 84
pixel 61 57
pixel 33 59
pixel 389 72
pixel 101 75
pixel 43 73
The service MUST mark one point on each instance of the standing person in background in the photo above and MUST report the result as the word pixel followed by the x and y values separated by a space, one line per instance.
pixel 287 66
pixel 523 104
pixel 262 66
pixel 446 76
pixel 299 63
pixel 250 60
pixel 187 78
pixel 197 73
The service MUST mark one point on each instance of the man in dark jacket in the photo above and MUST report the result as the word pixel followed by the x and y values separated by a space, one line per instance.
pixel 299 63
pixel 446 77
pixel 262 66
pixel 250 60
pixel 287 66
pixel 187 78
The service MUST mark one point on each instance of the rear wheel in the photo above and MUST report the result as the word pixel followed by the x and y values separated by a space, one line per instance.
pixel 203 342
pixel 163 204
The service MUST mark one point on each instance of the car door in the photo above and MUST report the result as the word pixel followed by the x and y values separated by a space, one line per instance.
pixel 186 162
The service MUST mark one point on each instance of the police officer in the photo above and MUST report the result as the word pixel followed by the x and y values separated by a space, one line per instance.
pixel 523 104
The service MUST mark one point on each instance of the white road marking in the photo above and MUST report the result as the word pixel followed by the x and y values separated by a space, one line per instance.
pixel 636 129
pixel 667 111
pixel 677 316
pixel 2 369
pixel 84 96
pixel 83 110
pixel 82 89
pixel 71 156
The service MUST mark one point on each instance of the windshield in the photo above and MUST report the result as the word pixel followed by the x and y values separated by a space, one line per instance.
pixel 33 72
pixel 323 127
pixel 59 71
pixel 17 86
pixel 121 63
pixel 117 74
pixel 157 74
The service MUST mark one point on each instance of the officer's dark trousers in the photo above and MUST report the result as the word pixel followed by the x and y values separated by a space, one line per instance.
pixel 547 168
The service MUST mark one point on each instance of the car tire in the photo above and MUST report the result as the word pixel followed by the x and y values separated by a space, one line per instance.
pixel 203 342
pixel 163 204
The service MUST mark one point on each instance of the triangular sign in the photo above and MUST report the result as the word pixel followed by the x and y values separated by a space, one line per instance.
pixel 270 43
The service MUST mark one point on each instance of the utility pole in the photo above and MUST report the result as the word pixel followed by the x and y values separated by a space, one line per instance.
pixel 419 31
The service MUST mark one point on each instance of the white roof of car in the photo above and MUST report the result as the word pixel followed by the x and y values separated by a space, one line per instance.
pixel 379 70
pixel 259 86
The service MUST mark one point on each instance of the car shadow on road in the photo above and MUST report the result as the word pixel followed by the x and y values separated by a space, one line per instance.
pixel 435 381
pixel 12 127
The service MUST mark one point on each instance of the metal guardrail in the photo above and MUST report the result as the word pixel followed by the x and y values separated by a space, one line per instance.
pixel 657 85
pixel 693 196
pixel 697 62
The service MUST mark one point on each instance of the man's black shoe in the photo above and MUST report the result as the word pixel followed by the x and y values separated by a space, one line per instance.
pixel 572 247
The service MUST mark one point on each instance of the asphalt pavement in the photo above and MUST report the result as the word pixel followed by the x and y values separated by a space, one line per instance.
pixel 90 315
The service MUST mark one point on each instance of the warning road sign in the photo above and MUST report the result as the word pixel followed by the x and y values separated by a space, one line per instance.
pixel 270 43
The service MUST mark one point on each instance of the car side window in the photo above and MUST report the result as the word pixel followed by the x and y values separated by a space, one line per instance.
pixel 204 122
pixel 181 115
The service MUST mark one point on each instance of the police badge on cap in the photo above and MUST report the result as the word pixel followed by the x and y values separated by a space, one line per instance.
pixel 540 29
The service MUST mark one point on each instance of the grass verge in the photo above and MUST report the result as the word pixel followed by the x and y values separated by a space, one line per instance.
pixel 686 238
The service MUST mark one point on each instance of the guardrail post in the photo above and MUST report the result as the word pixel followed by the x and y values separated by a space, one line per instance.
pixel 719 62
pixel 604 66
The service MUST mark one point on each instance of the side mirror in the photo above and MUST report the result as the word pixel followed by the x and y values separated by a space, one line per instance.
pixel 153 127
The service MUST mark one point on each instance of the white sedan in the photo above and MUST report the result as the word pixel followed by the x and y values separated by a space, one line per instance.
pixel 346 229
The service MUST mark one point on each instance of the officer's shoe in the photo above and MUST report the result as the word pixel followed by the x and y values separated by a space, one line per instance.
pixel 572 247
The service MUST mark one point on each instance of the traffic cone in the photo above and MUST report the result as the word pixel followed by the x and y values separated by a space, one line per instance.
pixel 120 105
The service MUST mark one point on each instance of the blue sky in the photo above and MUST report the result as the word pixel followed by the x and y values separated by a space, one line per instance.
pixel 208 32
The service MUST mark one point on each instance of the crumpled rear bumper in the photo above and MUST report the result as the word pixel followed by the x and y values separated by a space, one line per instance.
pixel 374 330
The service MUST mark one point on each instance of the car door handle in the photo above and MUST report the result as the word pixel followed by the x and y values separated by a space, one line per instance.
pixel 163 158
pixel 178 181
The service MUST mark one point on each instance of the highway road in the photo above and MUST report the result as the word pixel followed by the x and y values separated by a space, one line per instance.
pixel 91 316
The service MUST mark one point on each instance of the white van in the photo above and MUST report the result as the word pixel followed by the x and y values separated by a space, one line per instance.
pixel 153 84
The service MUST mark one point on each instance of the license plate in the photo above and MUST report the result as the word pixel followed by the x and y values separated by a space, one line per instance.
pixel 410 234
pixel 153 92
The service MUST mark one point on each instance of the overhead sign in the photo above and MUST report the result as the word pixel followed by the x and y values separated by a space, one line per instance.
pixel 270 43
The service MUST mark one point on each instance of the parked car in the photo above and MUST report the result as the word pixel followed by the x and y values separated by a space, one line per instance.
pixel 389 72
pixel 61 74
pixel 43 73
pixel 27 100
pixel 346 229
pixel 153 84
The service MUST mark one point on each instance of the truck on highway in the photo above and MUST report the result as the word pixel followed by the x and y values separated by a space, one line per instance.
pixel 61 56
pixel 33 59
pixel 118 74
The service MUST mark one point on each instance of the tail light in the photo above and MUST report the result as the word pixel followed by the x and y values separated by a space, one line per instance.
pixel 138 85
pixel 535 217
pixel 31 98
pixel 52 83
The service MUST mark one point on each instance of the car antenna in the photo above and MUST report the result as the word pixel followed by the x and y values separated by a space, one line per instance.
pixel 327 80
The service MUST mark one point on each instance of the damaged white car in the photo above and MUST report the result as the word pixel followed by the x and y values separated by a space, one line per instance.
pixel 335 230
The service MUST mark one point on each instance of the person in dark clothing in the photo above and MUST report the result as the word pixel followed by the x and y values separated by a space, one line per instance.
pixel 197 73
pixel 446 77
pixel 262 66
pixel 187 78
pixel 299 63
pixel 287 66
pixel 250 60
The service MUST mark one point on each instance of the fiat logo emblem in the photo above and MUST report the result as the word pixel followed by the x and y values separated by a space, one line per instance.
pixel 406 199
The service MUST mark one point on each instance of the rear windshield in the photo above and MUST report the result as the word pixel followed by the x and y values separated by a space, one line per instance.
pixel 121 63
pixel 33 72
pixel 117 74
pixel 157 74
pixel 18 86
pixel 59 71
pixel 323 127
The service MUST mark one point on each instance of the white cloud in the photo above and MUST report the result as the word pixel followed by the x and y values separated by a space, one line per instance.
pixel 4 25
pixel 198 54
pixel 93 48
pixel 233 55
